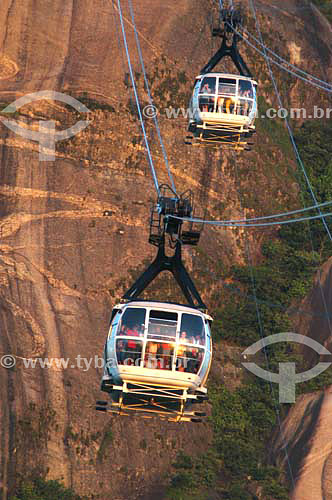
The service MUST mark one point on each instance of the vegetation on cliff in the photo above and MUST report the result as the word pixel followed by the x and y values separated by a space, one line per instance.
pixel 40 489
pixel 325 7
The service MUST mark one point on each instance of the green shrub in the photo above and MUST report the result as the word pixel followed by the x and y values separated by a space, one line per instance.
pixel 40 489
pixel 325 6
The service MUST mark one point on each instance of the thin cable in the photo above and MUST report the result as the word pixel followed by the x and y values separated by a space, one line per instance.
pixel 262 335
pixel 299 161
pixel 150 96
pixel 276 63
pixel 297 154
pixel 265 224
pixel 154 175
pixel 119 45
pixel 328 85
pixel 284 214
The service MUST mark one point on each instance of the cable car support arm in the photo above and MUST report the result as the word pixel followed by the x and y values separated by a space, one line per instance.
pixel 229 22
pixel 173 264
pixel 165 222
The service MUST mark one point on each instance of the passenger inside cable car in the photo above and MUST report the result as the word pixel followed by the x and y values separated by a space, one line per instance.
pixel 163 350
pixel 235 96
pixel 189 355
pixel 132 323
pixel 208 87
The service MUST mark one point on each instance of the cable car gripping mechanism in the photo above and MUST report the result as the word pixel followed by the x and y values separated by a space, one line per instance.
pixel 229 29
pixel 161 224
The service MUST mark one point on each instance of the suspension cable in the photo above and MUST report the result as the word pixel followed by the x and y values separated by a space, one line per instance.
pixel 325 85
pixel 300 163
pixel 284 214
pixel 252 3
pixel 265 224
pixel 153 171
pixel 261 52
pixel 328 85
pixel 290 132
pixel 150 96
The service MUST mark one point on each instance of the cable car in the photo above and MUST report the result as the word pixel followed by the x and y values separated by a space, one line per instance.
pixel 158 354
pixel 223 106
pixel 158 358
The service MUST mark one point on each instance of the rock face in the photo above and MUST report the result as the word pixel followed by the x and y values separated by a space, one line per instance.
pixel 62 264
pixel 315 319
pixel 307 430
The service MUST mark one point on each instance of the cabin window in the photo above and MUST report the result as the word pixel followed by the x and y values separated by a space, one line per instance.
pixel 244 107
pixel 192 330
pixel 129 352
pixel 206 104
pixel 245 89
pixel 116 315
pixel 162 325
pixel 189 359
pixel 159 355
pixel 133 321
pixel 226 105
pixel 116 312
pixel 208 335
pixel 227 86
pixel 208 85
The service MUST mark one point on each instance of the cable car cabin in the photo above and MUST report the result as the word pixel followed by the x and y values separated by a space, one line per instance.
pixel 224 108
pixel 158 357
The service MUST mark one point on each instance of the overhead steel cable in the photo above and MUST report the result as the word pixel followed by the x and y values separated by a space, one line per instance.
pixel 267 361
pixel 265 224
pixel 155 119
pixel 299 161
pixel 261 331
pixel 309 75
pixel 261 52
pixel 274 216
pixel 323 85
pixel 290 132
pixel 153 171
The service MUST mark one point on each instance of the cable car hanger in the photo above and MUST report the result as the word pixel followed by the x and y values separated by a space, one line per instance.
pixel 230 25
pixel 162 223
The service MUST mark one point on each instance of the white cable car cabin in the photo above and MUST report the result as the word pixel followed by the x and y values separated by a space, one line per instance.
pixel 158 357
pixel 224 106
pixel 223 109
